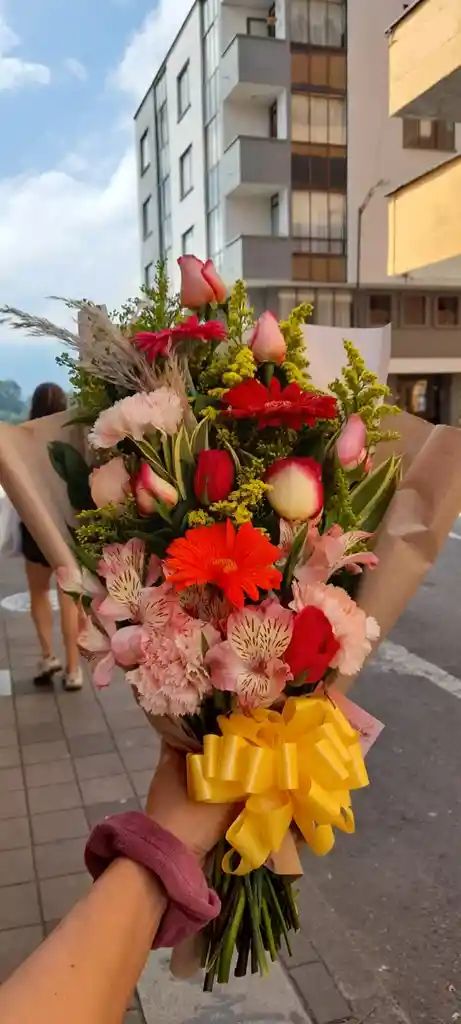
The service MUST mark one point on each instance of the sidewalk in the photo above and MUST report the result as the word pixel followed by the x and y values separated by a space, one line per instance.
pixel 66 761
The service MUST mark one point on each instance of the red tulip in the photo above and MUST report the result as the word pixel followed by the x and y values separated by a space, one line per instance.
pixel 214 476
pixel 313 645
pixel 267 342
pixel 350 446
pixel 149 488
pixel 296 491
pixel 200 283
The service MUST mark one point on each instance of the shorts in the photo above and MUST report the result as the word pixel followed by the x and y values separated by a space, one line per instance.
pixel 30 549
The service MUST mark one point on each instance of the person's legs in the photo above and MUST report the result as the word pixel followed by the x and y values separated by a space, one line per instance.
pixel 69 627
pixel 38 578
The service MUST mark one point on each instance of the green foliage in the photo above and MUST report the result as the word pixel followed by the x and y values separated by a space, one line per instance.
pixel 296 364
pixel 236 363
pixel 13 408
pixel 359 391
pixel 160 309
pixel 338 506
pixel 70 465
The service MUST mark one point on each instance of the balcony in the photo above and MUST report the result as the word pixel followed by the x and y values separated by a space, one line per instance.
pixel 258 258
pixel 253 166
pixel 425 61
pixel 255 68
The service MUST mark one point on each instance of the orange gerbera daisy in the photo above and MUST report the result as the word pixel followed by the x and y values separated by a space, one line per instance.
pixel 238 561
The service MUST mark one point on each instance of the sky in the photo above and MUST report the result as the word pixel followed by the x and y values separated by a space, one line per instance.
pixel 71 77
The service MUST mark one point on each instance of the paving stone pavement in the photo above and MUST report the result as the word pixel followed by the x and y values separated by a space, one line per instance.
pixel 66 761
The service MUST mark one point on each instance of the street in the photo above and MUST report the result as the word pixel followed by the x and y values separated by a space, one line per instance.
pixel 397 883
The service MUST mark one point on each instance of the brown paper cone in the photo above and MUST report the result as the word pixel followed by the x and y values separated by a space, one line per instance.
pixel 36 491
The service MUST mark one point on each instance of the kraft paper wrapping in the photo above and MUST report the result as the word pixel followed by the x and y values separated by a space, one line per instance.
pixel 409 540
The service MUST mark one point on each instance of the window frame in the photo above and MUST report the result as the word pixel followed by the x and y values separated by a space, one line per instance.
pixel 186 155
pixel 145 215
pixel 405 320
pixel 444 326
pixel 383 296
pixel 442 138
pixel 147 272
pixel 183 74
pixel 317 244
pixel 275 215
pixel 184 250
pixel 143 165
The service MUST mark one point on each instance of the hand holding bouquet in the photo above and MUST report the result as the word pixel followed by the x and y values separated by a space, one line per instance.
pixel 223 515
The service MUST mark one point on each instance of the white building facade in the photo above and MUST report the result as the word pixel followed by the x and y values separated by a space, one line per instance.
pixel 265 143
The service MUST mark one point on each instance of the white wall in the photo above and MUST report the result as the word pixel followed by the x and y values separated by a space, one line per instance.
pixel 375 149
pixel 189 130
pixel 245 118
pixel 246 216
pixel 234 21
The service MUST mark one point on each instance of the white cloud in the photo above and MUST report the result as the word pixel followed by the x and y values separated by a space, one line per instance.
pixel 75 68
pixel 15 72
pixel 147 48
pixel 73 229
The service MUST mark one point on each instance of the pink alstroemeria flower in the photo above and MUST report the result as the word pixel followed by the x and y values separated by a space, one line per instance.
pixel 327 553
pixel 107 647
pixel 249 663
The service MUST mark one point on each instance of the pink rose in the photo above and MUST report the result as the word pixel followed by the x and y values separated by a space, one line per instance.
pixel 110 484
pixel 200 283
pixel 350 446
pixel 267 342
pixel 149 488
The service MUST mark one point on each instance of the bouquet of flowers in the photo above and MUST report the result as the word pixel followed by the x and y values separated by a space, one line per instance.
pixel 224 510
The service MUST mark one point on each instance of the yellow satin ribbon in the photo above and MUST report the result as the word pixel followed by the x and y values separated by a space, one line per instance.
pixel 298 766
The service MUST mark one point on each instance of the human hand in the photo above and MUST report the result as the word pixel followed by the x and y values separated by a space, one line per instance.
pixel 199 826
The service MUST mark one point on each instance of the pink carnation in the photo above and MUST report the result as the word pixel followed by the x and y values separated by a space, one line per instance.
pixel 136 416
pixel 354 630
pixel 172 678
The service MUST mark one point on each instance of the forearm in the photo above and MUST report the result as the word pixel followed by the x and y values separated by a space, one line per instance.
pixel 87 969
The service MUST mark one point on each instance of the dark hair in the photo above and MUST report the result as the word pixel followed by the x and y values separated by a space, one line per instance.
pixel 47 399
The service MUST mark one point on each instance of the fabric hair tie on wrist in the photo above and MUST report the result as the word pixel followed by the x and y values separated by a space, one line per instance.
pixel 191 904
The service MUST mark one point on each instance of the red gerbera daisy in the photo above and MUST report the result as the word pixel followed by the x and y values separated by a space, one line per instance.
pixel 238 561
pixel 275 406
pixel 158 343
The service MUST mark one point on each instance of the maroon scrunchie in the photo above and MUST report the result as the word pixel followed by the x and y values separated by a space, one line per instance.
pixel 191 904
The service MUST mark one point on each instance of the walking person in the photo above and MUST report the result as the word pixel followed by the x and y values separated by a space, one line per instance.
pixel 46 400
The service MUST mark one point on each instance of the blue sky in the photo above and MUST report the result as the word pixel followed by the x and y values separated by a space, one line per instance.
pixel 71 76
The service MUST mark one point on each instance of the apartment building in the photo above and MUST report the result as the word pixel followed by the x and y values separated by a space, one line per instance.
pixel 265 143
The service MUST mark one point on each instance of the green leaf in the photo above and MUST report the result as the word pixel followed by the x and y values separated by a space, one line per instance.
pixel 182 457
pixel 295 552
pixel 85 418
pixel 375 492
pixel 199 441
pixel 88 561
pixel 152 457
pixel 70 465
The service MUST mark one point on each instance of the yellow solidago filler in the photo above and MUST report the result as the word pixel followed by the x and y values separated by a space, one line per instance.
pixel 198 517
pixel 230 379
pixel 246 499
pixel 236 363
pixel 100 526
pixel 359 391
pixel 240 315
pixel 296 364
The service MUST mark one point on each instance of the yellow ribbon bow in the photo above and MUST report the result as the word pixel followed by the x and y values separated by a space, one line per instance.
pixel 295 766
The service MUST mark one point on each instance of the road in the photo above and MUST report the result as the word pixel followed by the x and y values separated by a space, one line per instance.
pixel 397 883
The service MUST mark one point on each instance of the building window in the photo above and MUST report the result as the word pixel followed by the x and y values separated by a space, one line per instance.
pixel 183 91
pixel 149 275
pixel 447 311
pixel 146 217
pixel 414 310
pixel 185 172
pixel 318 22
pixel 319 69
pixel 319 222
pixel 275 215
pixel 319 119
pixel 379 310
pixel 425 134
pixel 273 119
pixel 144 151
pixel 187 243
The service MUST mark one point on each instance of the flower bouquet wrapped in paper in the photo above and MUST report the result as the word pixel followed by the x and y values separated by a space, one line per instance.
pixel 220 510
